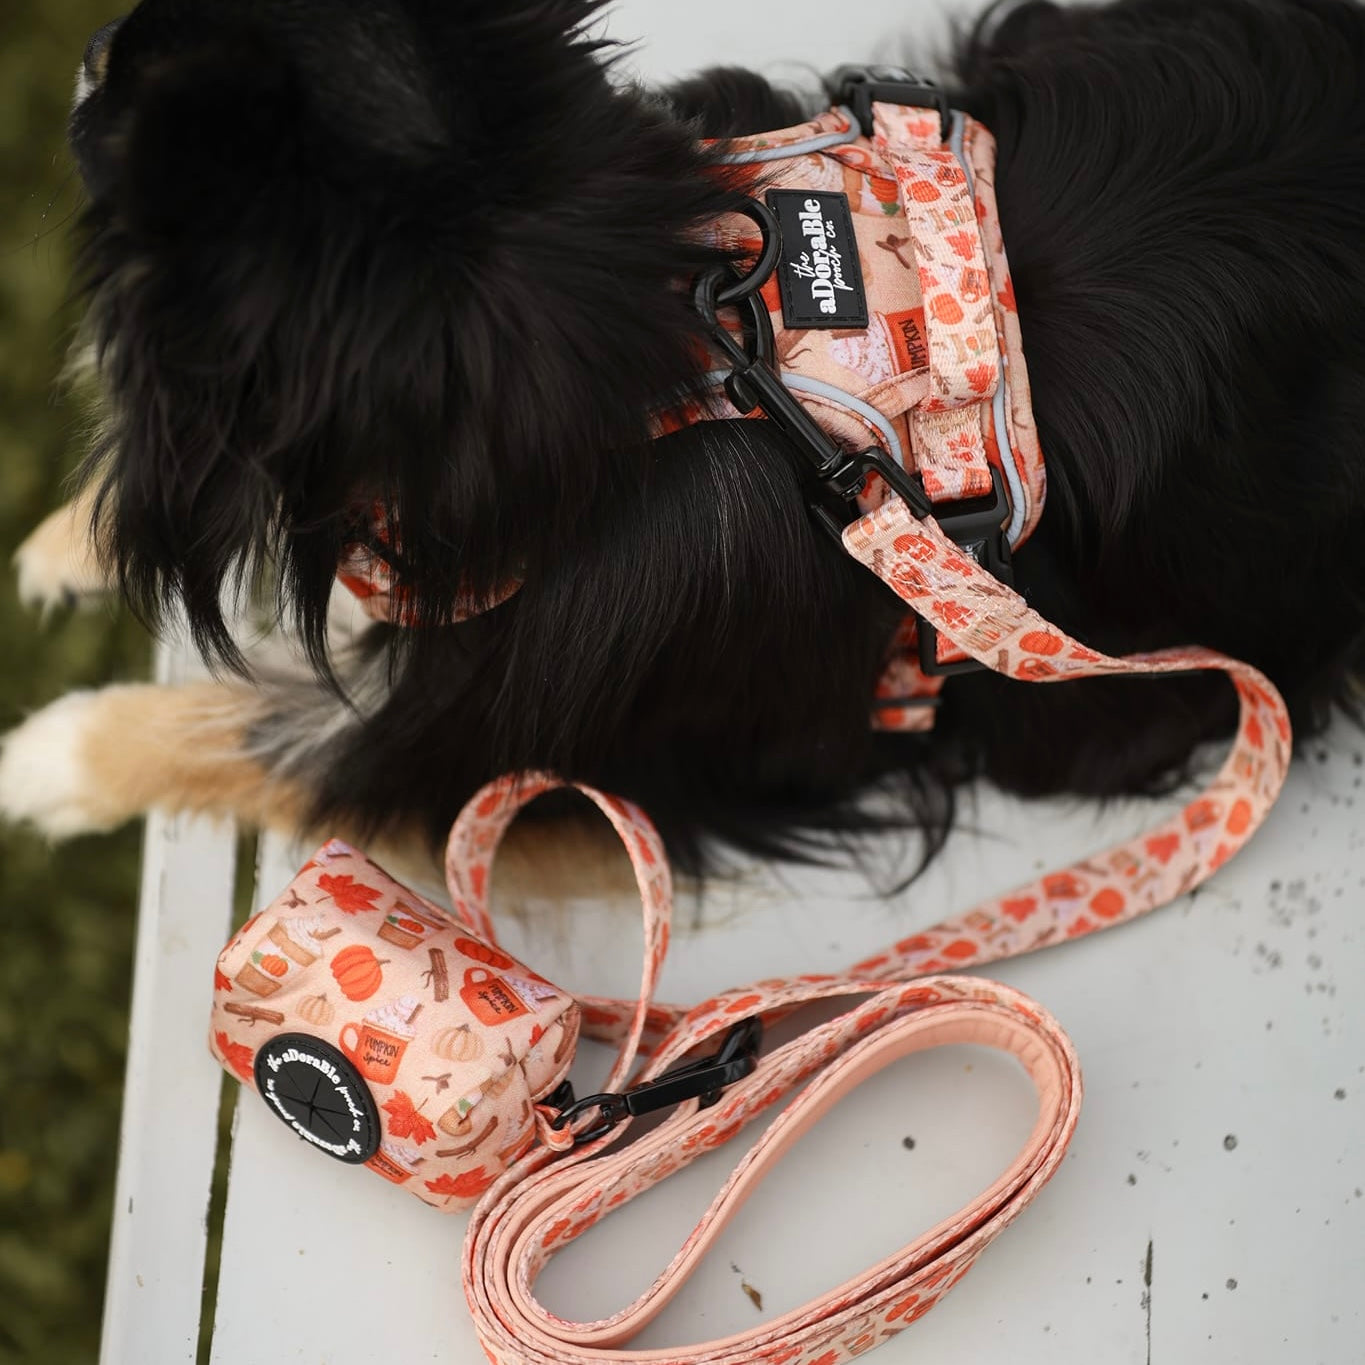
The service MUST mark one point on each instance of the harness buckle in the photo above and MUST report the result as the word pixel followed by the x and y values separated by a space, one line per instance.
pixel 860 87
pixel 977 525
pixel 703 1079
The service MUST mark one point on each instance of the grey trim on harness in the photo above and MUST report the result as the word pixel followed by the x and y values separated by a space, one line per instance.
pixel 811 144
pixel 1018 505
pixel 820 389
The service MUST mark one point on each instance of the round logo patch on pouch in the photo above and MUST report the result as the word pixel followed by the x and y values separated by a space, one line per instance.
pixel 314 1089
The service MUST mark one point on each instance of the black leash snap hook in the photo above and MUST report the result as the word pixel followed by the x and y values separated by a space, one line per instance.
pixel 754 383
pixel 704 1079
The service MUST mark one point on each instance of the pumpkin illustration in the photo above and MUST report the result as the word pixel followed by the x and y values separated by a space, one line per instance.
pixel 274 964
pixel 357 971
pixel 460 1044
pixel 481 952
pixel 317 1009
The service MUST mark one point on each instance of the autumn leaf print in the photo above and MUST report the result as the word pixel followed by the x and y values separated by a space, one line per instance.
pixel 405 1121
pixel 237 1055
pixel 466 1185
pixel 220 982
pixel 348 894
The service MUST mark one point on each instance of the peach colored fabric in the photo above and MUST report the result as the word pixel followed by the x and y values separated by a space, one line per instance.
pixel 456 1040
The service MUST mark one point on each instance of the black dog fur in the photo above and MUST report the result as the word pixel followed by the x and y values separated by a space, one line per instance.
pixel 342 252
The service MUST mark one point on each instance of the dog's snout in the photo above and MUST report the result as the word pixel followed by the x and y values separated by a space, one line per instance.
pixel 97 51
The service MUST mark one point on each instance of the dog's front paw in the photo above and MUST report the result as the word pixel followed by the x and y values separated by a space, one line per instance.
pixel 47 778
pixel 57 565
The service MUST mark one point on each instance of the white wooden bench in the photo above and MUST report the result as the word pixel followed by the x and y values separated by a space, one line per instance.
pixel 1221 1152
pixel 1211 1207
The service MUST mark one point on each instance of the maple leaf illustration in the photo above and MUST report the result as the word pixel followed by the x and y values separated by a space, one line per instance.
pixel 220 982
pixel 237 1055
pixel 466 1185
pixel 405 1121
pixel 349 895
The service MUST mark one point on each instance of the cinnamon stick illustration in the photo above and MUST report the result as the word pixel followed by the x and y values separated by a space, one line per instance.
pixel 438 978
pixel 254 1013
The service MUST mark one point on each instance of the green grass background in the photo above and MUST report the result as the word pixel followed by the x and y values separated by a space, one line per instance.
pixel 66 914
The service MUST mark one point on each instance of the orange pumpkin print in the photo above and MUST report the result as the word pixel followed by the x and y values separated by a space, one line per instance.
pixel 273 964
pixel 1040 642
pixel 1239 821
pixel 1107 904
pixel 358 972
pixel 481 952
pixel 946 309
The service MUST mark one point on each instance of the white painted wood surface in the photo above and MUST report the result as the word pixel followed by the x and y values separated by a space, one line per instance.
pixel 168 1135
pixel 1221 1147
pixel 1215 1037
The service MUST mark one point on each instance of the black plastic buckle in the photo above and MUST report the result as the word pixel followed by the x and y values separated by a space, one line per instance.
pixel 704 1079
pixel 978 526
pixel 860 87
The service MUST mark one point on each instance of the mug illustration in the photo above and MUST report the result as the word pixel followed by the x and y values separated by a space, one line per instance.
pixel 376 1045
pixel 490 998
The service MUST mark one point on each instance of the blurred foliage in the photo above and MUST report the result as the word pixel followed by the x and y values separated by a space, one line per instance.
pixel 66 915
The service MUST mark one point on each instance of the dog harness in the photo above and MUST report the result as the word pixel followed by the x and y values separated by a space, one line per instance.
pixel 879 304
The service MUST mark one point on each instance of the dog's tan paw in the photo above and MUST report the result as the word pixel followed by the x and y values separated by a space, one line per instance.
pixel 57 565
pixel 47 778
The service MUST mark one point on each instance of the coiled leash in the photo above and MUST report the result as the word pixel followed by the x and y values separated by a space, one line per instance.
pixel 582 1170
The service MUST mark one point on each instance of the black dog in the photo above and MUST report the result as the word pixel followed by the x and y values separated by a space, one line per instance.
pixel 429 257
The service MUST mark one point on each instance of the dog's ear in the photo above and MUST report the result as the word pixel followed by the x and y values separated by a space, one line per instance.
pixel 210 133
pixel 330 275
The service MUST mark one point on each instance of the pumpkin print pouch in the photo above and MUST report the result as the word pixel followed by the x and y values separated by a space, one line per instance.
pixel 385 1034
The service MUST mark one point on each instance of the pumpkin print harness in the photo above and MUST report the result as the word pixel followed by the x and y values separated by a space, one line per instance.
pixel 880 307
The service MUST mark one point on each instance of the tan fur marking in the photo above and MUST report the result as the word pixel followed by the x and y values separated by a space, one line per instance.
pixel 59 557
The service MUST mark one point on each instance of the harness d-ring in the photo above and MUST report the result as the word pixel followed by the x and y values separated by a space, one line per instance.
pixel 754 280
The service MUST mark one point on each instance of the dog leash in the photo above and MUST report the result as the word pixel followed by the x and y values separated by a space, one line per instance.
pixel 564 1187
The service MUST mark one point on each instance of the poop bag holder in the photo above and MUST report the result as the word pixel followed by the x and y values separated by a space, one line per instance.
pixel 386 1034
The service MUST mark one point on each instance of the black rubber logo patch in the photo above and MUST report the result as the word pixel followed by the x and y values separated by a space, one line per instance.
pixel 311 1087
pixel 819 273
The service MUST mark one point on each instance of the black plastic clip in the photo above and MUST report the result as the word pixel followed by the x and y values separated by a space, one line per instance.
pixel 860 87
pixel 704 1079
pixel 977 525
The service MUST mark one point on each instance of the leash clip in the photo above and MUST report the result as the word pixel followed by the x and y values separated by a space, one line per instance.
pixel 837 475
pixel 704 1079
